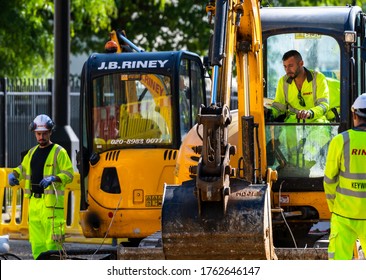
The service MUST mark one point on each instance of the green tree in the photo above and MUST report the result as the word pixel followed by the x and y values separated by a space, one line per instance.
pixel 26 32
pixel 26 28
pixel 175 25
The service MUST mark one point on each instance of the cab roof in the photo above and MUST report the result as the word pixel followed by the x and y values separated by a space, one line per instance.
pixel 328 20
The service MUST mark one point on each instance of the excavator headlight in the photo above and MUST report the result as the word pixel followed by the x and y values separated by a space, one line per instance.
pixel 350 36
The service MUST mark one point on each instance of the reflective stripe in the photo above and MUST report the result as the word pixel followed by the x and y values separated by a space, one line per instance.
pixel 346 151
pixel 323 107
pixel 67 174
pixel 351 193
pixel 58 149
pixel 331 255
pixel 330 196
pixel 355 176
pixel 28 176
pixel 21 168
pixel 285 89
pixel 314 87
pixel 321 100
pixel 58 192
pixel 292 109
pixel 279 106
pixel 331 181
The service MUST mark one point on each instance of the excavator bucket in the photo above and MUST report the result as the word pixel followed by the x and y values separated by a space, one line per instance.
pixel 239 229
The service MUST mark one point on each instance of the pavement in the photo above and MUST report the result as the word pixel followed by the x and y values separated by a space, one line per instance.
pixel 21 249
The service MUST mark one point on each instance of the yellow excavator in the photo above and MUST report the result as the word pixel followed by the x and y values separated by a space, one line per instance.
pixel 235 194
pixel 136 107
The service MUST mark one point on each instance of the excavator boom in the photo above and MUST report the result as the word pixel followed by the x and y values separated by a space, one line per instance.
pixel 224 213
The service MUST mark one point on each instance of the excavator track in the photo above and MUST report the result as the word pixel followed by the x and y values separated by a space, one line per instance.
pixel 240 232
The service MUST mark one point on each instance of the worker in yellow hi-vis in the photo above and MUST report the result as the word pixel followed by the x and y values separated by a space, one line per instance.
pixel 302 95
pixel 345 186
pixel 46 169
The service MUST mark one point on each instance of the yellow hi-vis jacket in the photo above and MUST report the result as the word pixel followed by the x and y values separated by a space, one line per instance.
pixel 345 174
pixel 57 164
pixel 314 91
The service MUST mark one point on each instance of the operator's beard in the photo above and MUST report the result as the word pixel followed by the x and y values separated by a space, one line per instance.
pixel 297 72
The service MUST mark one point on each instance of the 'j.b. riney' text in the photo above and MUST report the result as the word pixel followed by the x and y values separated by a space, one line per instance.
pixel 132 64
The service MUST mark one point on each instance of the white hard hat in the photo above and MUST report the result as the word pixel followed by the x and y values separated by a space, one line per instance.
pixel 360 102
pixel 41 123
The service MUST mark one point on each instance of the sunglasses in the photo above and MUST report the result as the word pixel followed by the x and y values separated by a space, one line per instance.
pixel 301 99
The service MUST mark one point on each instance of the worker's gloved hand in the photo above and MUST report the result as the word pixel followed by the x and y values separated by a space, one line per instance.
pixel 13 180
pixel 268 116
pixel 305 114
pixel 47 181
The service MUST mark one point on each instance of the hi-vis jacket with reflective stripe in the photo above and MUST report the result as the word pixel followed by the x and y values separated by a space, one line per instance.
pixel 58 164
pixel 345 174
pixel 314 91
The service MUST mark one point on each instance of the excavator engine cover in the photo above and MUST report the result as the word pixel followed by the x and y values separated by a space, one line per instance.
pixel 238 230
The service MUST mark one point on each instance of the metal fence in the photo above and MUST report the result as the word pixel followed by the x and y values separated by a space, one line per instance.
pixel 20 101
pixel 23 99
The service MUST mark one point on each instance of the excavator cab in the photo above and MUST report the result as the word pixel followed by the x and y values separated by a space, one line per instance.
pixel 136 108
pixel 329 40
pixel 257 186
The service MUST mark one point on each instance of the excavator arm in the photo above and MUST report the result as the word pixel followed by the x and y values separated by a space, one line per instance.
pixel 225 212
pixel 214 168
pixel 237 35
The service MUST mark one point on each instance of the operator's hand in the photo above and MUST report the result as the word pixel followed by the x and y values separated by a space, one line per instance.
pixel 13 180
pixel 304 114
pixel 47 181
pixel 268 114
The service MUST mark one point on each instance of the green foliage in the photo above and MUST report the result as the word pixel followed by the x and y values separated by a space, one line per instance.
pixel 27 26
pixel 90 24
pixel 180 25
pixel 26 33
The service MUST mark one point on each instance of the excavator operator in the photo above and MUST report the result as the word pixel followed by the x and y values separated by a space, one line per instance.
pixel 301 94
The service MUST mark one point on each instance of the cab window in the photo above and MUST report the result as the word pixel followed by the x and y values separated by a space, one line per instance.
pixel 131 110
